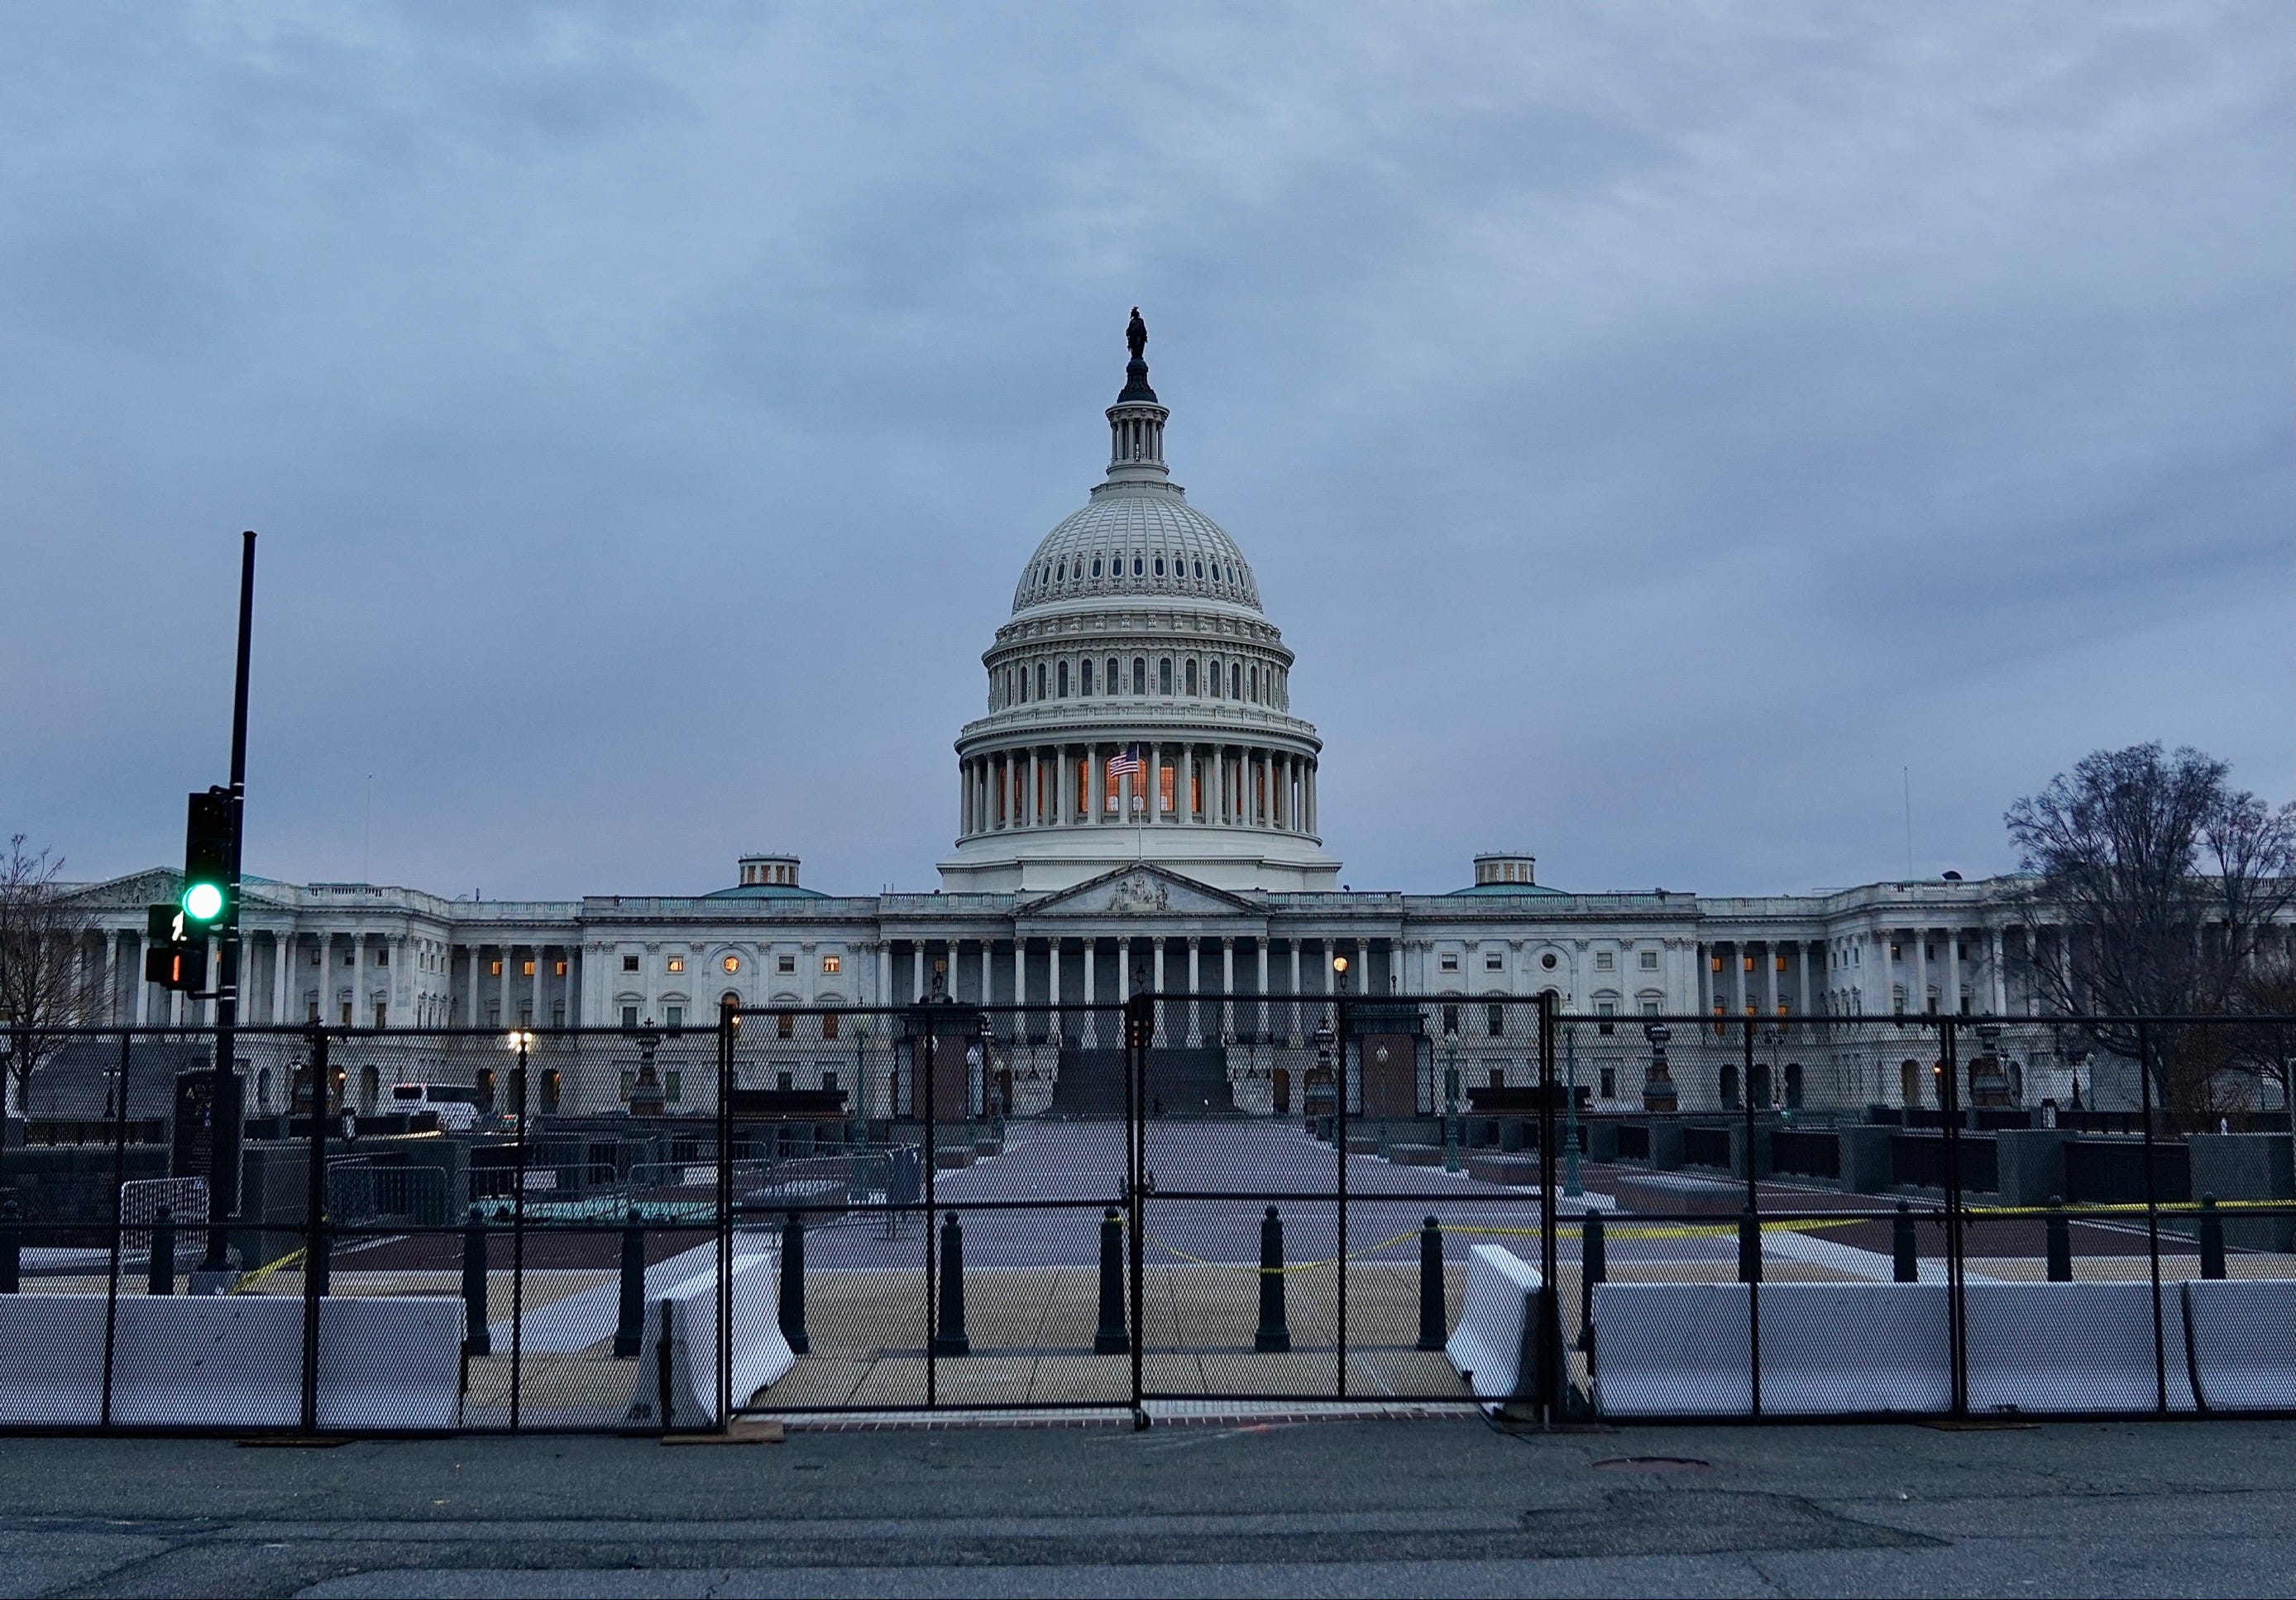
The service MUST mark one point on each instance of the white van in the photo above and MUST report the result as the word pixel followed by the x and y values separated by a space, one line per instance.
pixel 451 1105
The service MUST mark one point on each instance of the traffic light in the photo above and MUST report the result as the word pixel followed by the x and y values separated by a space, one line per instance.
pixel 175 955
pixel 207 859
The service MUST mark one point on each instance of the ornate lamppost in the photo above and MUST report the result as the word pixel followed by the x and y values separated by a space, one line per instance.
pixel 1658 1089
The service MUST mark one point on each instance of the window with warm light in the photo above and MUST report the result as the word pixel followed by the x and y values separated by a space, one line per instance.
pixel 731 963
pixel 832 965
pixel 676 964
pixel 494 969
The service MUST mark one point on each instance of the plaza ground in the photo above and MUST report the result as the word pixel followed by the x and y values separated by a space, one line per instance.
pixel 1338 1508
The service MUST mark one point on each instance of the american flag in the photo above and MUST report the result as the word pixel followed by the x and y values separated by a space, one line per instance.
pixel 1125 764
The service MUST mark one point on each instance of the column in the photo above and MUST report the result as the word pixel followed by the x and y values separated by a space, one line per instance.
pixel 1770 948
pixel 1312 818
pixel 1950 1001
pixel 1020 970
pixel 1882 975
pixel 1918 999
pixel 1227 986
pixel 1801 1005
pixel 917 965
pixel 1292 1024
pixel 1090 1031
pixel 1259 1004
pixel 1123 970
pixel 1053 978
pixel 137 989
pixel 1738 954
pixel 2000 998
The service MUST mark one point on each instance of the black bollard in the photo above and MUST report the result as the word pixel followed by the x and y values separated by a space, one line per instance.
pixel 1434 1331
pixel 1274 1333
pixel 2212 1261
pixel 1594 1268
pixel 12 1246
pixel 1112 1337
pixel 161 1279
pixel 629 1324
pixel 949 1339
pixel 1749 1248
pixel 794 1285
pixel 2060 1237
pixel 476 1341
pixel 1905 1253
pixel 320 1261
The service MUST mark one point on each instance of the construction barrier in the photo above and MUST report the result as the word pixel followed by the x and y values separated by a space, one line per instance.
pixel 681 1345
pixel 1495 1316
pixel 1858 1349
pixel 1672 1349
pixel 2060 1347
pixel 2243 1343
pixel 389 1365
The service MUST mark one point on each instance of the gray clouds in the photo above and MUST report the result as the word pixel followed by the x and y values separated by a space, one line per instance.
pixel 1652 425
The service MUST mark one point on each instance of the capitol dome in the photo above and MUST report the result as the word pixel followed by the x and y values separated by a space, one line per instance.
pixel 1139 701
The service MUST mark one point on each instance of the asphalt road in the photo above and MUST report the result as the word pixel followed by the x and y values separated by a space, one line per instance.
pixel 1444 1508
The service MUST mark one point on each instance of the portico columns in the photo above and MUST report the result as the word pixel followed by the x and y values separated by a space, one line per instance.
pixel 1123 970
pixel 1950 1003
pixel 1801 978
pixel 2000 1001
pixel 1195 1034
pixel 1227 986
pixel 1292 1024
pixel 1920 972
pixel 917 971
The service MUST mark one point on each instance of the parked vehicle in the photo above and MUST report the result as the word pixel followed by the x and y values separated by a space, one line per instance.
pixel 453 1105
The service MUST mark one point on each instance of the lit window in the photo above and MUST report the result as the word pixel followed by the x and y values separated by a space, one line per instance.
pixel 831 964
pixel 526 969
pixel 676 964
pixel 558 968
pixel 1714 964
pixel 1748 965
pixel 731 963
pixel 630 963
pixel 494 969
pixel 1781 963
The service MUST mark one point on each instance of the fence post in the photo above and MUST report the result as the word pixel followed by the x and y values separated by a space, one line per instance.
pixel 1112 1337
pixel 1433 1323
pixel 792 1301
pixel 118 1183
pixel 629 1324
pixel 160 1273
pixel 1750 1228
pixel 2152 1214
pixel 476 1339
pixel 2057 1240
pixel 1341 1028
pixel 1139 1026
pixel 729 1026
pixel 314 1218
pixel 2212 1247
pixel 1957 1262
pixel 1274 1333
pixel 517 1234
pixel 1905 1253
pixel 950 1337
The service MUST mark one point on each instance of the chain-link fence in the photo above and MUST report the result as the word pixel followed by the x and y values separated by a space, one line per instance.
pixel 1179 1198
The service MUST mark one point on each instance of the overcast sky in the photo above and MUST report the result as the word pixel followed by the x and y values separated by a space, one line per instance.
pixel 1657 427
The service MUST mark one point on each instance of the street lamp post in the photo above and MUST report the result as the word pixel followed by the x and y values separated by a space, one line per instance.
pixel 1450 1099
pixel 1571 1184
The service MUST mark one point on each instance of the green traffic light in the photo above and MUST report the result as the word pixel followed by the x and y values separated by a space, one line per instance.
pixel 202 901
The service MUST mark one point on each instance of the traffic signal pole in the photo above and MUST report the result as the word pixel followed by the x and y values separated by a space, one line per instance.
pixel 223 1170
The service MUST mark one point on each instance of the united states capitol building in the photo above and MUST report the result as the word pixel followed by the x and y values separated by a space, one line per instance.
pixel 1137 804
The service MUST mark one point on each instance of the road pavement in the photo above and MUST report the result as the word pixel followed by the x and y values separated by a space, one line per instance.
pixel 1337 1508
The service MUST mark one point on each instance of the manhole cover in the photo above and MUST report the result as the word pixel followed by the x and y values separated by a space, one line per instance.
pixel 1653 1464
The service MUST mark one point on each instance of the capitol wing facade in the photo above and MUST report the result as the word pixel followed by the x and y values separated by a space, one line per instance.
pixel 1137 806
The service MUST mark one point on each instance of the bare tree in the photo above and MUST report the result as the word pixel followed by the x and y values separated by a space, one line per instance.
pixel 2157 890
pixel 45 981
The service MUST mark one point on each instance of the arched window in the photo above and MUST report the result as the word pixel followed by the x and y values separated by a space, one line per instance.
pixel 1060 572
pixel 1135 564
pixel 1255 683
pixel 1114 683
pixel 1096 566
pixel 1064 680
pixel 1140 675
pixel 1085 686
pixel 1191 675
pixel 1164 676
pixel 1040 680
pixel 1219 678
pixel 1234 681
pixel 1200 572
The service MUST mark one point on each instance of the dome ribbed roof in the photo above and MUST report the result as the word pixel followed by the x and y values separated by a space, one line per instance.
pixel 1137 540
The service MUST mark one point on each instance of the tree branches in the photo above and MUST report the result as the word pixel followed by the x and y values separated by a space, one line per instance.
pixel 47 977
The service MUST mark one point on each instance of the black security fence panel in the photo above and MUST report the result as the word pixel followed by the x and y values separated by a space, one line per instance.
pixel 1156 1200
